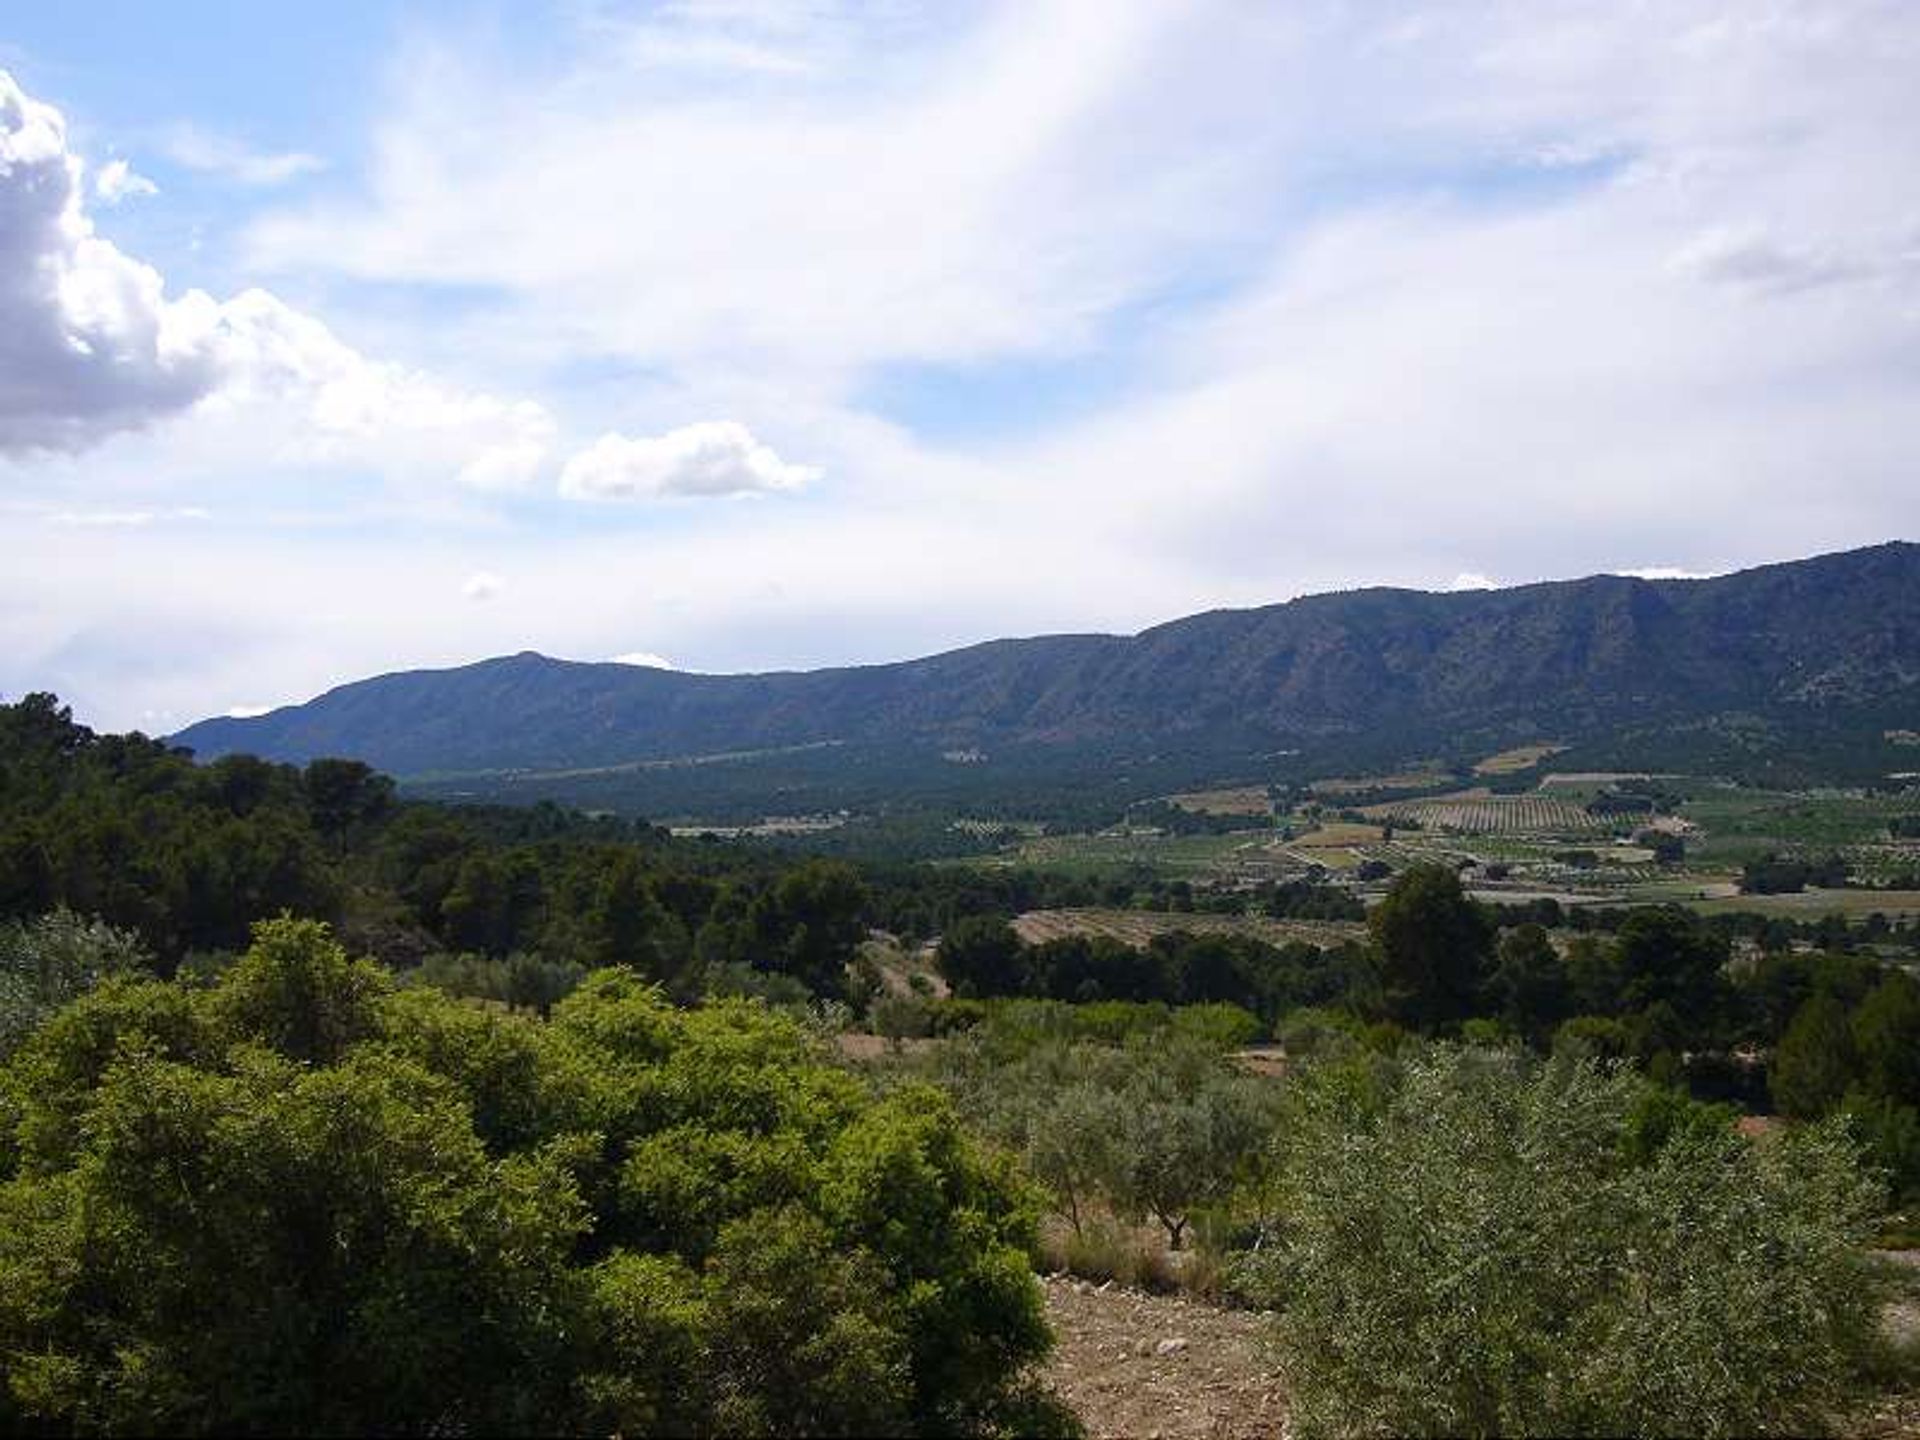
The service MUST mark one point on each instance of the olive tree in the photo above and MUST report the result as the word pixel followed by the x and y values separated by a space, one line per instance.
pixel 1472 1247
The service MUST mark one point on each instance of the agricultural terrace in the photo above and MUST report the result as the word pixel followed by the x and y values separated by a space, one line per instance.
pixel 1139 927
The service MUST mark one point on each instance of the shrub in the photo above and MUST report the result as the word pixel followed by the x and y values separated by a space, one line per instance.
pixel 1473 1249
pixel 298 1200
pixel 44 963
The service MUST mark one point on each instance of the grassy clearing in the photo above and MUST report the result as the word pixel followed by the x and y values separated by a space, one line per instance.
pixel 1521 757
pixel 1244 800
pixel 1339 834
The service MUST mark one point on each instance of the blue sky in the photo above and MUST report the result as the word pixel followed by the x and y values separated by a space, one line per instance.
pixel 745 334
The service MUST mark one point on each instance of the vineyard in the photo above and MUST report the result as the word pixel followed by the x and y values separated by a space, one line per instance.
pixel 1497 815
pixel 1138 927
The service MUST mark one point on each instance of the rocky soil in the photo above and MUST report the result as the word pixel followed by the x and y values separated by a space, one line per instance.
pixel 1142 1366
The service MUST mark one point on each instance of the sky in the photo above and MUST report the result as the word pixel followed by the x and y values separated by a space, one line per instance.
pixel 739 334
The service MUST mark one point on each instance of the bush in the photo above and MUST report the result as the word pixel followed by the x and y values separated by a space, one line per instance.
pixel 300 1200
pixel 1474 1250
pixel 44 963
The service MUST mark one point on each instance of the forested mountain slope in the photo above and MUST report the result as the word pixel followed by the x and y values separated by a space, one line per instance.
pixel 1835 637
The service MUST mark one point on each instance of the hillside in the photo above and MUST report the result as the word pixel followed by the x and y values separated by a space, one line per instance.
pixel 1775 653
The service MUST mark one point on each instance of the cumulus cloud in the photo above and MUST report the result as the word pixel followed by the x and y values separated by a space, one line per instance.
pixel 249 712
pixel 482 585
pixel 88 343
pixel 117 180
pixel 1473 580
pixel 645 659
pixel 91 345
pixel 215 154
pixel 710 459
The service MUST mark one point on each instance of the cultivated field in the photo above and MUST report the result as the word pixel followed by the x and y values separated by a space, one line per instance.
pixel 1138 927
pixel 1400 780
pixel 1812 904
pixel 1338 834
pixel 1244 800
pixel 1476 812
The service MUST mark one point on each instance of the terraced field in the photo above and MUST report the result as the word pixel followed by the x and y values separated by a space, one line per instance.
pixel 1138 927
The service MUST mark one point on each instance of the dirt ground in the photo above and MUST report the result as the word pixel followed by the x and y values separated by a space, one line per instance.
pixel 1160 1367
pixel 1135 1366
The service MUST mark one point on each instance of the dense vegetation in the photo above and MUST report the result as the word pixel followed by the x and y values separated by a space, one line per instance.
pixel 570 1157
pixel 1475 1244
pixel 300 1200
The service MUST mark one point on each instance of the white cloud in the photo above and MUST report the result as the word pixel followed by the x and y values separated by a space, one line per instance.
pixel 907 194
pixel 1752 258
pixel 709 459
pixel 482 585
pixel 126 519
pixel 1541 289
pixel 117 180
pixel 90 345
pixel 1671 572
pixel 1472 580
pixel 249 712
pixel 645 659
pixel 203 150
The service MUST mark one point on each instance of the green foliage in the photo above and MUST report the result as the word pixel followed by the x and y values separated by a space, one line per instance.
pixel 1528 988
pixel 1477 1247
pixel 1816 1063
pixel 1189 1132
pixel 980 956
pixel 44 963
pixel 1886 1036
pixel 1434 947
pixel 299 1199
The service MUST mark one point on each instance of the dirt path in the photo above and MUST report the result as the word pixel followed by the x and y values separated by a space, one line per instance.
pixel 1135 1366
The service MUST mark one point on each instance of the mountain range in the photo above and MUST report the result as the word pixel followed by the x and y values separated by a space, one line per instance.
pixel 1810 648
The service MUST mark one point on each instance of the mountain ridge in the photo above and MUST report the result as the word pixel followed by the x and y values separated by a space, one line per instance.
pixel 1823 635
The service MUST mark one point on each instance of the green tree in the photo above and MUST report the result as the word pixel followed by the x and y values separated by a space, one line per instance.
pixel 980 956
pixel 818 907
pixel 1886 1035
pixel 1815 1063
pixel 1667 955
pixel 628 926
pixel 1529 986
pixel 1434 945
pixel 344 793
pixel 1189 1131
